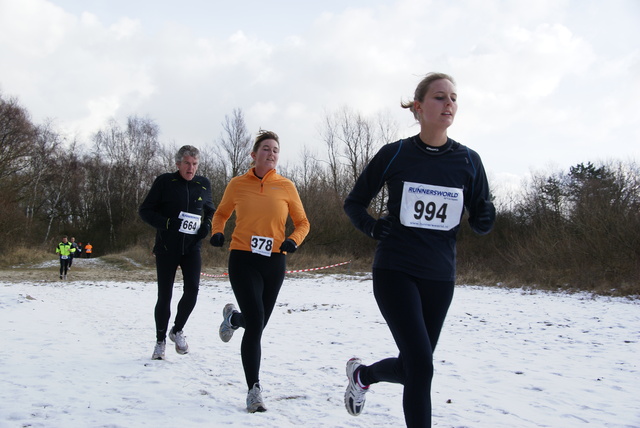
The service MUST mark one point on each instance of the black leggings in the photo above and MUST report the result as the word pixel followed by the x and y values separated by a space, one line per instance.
pixel 414 310
pixel 256 282
pixel 64 266
pixel 166 267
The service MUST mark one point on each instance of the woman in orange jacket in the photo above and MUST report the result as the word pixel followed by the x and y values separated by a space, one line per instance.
pixel 262 200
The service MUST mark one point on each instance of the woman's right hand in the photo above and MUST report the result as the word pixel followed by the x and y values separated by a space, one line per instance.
pixel 381 229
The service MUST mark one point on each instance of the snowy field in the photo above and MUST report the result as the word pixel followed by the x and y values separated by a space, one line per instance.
pixel 77 354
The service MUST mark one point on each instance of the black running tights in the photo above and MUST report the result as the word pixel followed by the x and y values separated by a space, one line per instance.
pixel 256 281
pixel 166 267
pixel 414 310
pixel 64 266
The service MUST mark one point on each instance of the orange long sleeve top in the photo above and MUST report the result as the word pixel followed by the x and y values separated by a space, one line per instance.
pixel 262 208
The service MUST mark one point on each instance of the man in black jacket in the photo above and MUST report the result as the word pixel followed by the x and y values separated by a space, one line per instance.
pixel 179 205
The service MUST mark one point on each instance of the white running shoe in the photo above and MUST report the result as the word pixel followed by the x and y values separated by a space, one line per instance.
pixel 158 351
pixel 226 328
pixel 254 399
pixel 355 395
pixel 180 340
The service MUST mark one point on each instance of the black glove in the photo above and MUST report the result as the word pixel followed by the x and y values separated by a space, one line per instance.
pixel 381 229
pixel 484 217
pixel 217 240
pixel 289 246
pixel 204 231
pixel 174 223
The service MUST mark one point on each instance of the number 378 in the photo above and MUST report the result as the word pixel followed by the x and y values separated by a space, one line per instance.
pixel 429 211
pixel 262 243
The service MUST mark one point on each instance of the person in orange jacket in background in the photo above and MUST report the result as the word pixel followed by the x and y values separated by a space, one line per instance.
pixel 88 249
pixel 262 201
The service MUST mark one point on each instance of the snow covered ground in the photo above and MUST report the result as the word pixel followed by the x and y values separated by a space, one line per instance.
pixel 77 354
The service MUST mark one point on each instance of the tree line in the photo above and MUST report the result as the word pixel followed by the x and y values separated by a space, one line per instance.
pixel 576 229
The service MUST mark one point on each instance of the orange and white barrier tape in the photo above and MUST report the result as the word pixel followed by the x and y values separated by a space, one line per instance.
pixel 289 271
pixel 214 276
pixel 318 268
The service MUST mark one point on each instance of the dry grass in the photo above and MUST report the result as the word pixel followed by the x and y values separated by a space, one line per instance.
pixel 471 272
pixel 138 255
pixel 24 257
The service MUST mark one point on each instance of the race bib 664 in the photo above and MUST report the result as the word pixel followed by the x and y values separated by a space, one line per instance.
pixel 190 223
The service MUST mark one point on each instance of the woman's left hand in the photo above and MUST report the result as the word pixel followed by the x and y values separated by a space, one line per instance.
pixel 288 246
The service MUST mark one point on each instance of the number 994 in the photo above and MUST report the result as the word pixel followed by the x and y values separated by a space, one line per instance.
pixel 429 211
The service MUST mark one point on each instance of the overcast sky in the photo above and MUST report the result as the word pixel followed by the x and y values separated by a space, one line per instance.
pixel 541 84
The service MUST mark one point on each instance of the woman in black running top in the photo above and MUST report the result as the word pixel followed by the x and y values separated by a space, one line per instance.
pixel 431 179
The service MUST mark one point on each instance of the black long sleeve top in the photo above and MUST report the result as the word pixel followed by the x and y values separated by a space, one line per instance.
pixel 428 190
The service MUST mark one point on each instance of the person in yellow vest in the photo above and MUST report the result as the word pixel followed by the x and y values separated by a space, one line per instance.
pixel 64 250
pixel 88 249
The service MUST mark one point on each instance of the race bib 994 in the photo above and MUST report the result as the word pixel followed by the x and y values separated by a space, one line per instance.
pixel 427 206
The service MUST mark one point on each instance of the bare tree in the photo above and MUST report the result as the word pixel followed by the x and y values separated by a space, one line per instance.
pixel 308 175
pixel 17 133
pixel 329 134
pixel 42 170
pixel 234 144
pixel 352 140
pixel 212 167
pixel 57 191
pixel 129 160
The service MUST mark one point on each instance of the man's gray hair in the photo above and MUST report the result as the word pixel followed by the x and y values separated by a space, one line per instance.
pixel 187 151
